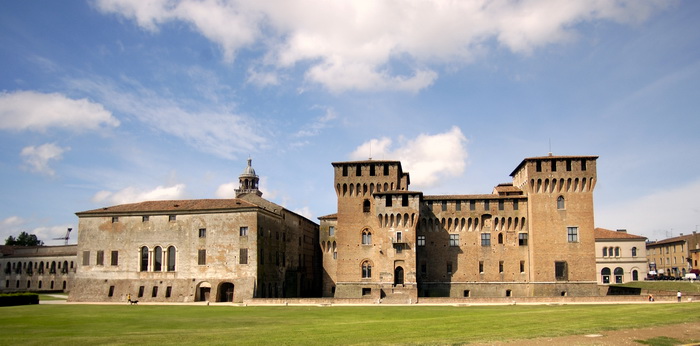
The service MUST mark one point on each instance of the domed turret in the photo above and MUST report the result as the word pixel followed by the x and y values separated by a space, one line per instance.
pixel 248 181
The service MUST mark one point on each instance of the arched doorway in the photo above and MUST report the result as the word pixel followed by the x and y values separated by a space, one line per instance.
pixel 202 292
pixel 398 276
pixel 225 292
pixel 605 275
pixel 619 272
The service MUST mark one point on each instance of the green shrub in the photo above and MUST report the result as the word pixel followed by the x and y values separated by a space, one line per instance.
pixel 11 299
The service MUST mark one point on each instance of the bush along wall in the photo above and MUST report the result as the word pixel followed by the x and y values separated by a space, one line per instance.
pixel 11 299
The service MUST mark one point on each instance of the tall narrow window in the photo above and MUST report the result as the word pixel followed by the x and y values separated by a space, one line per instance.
pixel 144 259
pixel 515 204
pixel 554 165
pixel 202 257
pixel 449 268
pixel 481 267
pixel 634 252
pixel 358 170
pixel 388 200
pixel 371 170
pixel 522 266
pixel 421 240
pixel 157 259
pixel 115 258
pixel 560 202
pixel 345 171
pixel 331 231
pixel 487 205
pixel 366 270
pixel 500 238
pixel 444 206
pixel 386 169
pixel 100 258
pixel 500 267
pixel 605 252
pixel 243 256
pixel 572 234
pixel 171 258
pixel 501 204
pixel 404 200
pixel 458 205
pixel 485 239
pixel 365 206
pixel 472 205
pixel 202 232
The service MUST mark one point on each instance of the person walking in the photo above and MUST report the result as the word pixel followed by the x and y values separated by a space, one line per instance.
pixel 679 296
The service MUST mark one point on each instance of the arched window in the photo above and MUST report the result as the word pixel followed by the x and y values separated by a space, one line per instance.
pixel 171 258
pixel 366 269
pixel 500 238
pixel 605 275
pixel 634 251
pixel 619 272
pixel 560 202
pixel 157 259
pixel 365 206
pixel 366 237
pixel 617 252
pixel 635 275
pixel 144 259
pixel 605 252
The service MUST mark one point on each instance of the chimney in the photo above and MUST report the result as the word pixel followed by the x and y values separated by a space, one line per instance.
pixel 622 230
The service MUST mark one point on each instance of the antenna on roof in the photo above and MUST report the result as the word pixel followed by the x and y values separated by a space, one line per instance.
pixel 370 149
pixel 550 146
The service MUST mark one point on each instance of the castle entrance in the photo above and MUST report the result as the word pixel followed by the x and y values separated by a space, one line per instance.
pixel 202 292
pixel 225 292
pixel 398 276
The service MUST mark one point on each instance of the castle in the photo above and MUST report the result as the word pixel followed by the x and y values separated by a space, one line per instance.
pixel 531 237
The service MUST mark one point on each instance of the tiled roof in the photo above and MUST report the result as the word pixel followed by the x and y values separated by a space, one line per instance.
pixel 329 216
pixel 170 206
pixel 680 238
pixel 602 233
pixel 463 197
pixel 549 158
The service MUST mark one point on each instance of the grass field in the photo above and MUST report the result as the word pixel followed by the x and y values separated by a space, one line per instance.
pixel 161 324
pixel 686 287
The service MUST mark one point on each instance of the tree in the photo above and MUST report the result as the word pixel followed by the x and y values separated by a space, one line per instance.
pixel 24 239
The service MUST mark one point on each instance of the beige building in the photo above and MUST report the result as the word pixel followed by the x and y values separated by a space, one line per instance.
pixel 620 257
pixel 37 268
pixel 674 256
pixel 530 237
pixel 224 250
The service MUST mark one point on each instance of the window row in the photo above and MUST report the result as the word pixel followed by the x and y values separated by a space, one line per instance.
pixel 473 224
pixel 372 168
pixel 39 285
pixel 38 267
pixel 561 185
pixel 485 239
pixel 363 189
pixel 615 251
pixel 553 164
pixel 472 204
pixel 157 259
pixel 147 218
pixel 280 257
pixel 396 220
pixel 618 275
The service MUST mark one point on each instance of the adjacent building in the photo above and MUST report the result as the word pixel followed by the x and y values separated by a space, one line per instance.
pixel 674 256
pixel 620 257
pixel 224 250
pixel 529 237
pixel 37 268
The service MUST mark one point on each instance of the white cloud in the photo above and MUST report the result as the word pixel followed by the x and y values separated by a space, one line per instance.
pixel 133 195
pixel 318 124
pixel 351 44
pixel 305 212
pixel 211 129
pixel 227 190
pixel 427 158
pixel 37 158
pixel 658 215
pixel 30 110
pixel 12 221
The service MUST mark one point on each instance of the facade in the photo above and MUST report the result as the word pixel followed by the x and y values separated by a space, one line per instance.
pixel 531 237
pixel 37 268
pixel 620 257
pixel 224 250
pixel 674 256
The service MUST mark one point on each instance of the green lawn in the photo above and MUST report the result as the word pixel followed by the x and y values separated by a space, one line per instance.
pixel 157 324
pixel 683 286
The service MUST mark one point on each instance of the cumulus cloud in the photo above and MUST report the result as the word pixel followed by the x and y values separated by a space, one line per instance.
pixel 351 44
pixel 427 158
pixel 37 158
pixel 318 124
pixel 678 206
pixel 133 195
pixel 30 110
pixel 227 190
pixel 305 212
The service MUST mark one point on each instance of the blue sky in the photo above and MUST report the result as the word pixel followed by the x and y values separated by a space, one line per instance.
pixel 118 101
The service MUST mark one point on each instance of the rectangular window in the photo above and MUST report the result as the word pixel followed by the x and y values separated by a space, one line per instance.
pixel 554 165
pixel 366 291
pixel 522 266
pixel 86 258
pixel 421 240
pixel 388 200
pixel 449 268
pixel 572 234
pixel 515 204
pixel 335 255
pixel 243 256
pixel 171 218
pixel 458 205
pixel 145 218
pixel 154 292
pixel 538 166
pixel 466 293
pixel 358 170
pixel 386 169
pixel 501 204
pixel 243 231
pixel 115 258
pixel 583 165
pixel 500 267
pixel 568 165
pixel 141 289
pixel 522 239
pixel 168 291
pixel 331 231
pixel 481 267
pixel 444 206
pixel 487 205
pixel 202 257
pixel 115 219
pixel 345 171
pixel 371 170
pixel 100 258
pixel 485 239
pixel 398 248
pixel 560 271
pixel 202 232
pixel 472 205
pixel 111 291
pixel 404 200
pixel 454 239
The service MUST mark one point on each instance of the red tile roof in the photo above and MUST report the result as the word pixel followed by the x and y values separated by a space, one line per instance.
pixel 602 233
pixel 172 206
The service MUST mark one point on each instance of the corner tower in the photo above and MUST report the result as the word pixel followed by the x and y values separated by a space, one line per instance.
pixel 248 181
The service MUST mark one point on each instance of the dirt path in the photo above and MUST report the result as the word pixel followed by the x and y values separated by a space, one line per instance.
pixel 688 333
